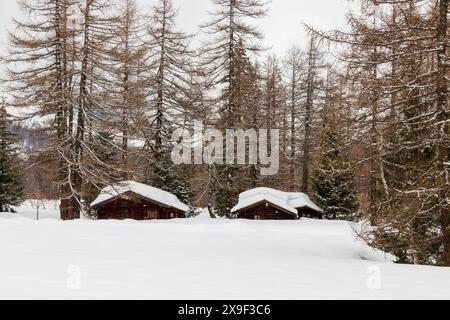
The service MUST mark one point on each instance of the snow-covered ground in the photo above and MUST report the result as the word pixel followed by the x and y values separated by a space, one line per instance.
pixel 199 258
pixel 34 210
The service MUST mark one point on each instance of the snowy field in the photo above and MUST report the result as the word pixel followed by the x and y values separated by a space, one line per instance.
pixel 199 259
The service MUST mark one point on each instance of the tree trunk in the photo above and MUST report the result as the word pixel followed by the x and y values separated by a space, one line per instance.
pixel 81 123
pixel 62 111
pixel 292 142
pixel 442 107
pixel 308 110
pixel 231 106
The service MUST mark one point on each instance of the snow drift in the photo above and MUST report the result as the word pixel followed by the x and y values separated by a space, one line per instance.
pixel 201 259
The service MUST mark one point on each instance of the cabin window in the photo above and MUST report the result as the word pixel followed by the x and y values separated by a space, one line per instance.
pixel 153 214
pixel 257 217
pixel 172 215
pixel 124 213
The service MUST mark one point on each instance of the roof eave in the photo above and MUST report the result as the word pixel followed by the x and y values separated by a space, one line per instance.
pixel 262 202
pixel 138 196
pixel 308 207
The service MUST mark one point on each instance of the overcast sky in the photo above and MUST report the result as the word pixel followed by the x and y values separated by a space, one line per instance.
pixel 282 27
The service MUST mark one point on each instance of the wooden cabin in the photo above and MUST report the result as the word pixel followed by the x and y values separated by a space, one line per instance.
pixel 132 200
pixel 271 204
pixel 265 211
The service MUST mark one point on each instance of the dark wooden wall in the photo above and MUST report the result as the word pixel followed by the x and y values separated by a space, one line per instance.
pixel 138 209
pixel 263 212
pixel 309 213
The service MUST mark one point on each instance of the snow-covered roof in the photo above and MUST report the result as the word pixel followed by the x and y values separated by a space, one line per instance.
pixel 248 202
pixel 300 200
pixel 289 201
pixel 163 197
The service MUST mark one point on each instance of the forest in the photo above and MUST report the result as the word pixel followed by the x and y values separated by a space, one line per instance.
pixel 363 114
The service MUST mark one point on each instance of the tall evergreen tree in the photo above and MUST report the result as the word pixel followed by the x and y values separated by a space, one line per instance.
pixel 101 149
pixel 172 178
pixel 333 179
pixel 11 185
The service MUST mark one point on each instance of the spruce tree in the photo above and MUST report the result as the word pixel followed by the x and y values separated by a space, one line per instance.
pixel 333 180
pixel 103 149
pixel 171 178
pixel 11 186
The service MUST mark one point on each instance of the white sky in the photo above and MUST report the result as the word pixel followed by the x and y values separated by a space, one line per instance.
pixel 282 27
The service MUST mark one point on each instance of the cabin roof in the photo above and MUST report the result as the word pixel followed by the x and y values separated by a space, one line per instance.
pixel 153 194
pixel 288 201
pixel 257 199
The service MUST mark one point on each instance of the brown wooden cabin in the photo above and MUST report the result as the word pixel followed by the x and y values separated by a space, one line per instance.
pixel 265 210
pixel 136 207
pixel 306 212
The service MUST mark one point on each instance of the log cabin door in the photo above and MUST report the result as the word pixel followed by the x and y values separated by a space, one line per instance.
pixel 139 213
pixel 151 214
